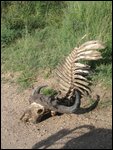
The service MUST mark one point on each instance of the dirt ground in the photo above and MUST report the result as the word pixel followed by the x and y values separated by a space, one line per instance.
pixel 92 130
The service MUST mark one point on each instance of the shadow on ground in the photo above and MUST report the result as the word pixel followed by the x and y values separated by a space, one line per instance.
pixel 94 139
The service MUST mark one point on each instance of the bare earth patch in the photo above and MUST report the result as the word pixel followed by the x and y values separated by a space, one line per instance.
pixel 92 130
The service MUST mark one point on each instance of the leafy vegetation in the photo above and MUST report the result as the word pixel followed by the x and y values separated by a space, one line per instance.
pixel 37 35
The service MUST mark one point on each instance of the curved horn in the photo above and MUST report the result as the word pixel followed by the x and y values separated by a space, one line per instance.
pixel 90 108
pixel 37 89
pixel 52 103
pixel 73 108
pixel 76 106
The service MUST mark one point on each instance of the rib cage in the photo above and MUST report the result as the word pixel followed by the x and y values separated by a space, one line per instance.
pixel 72 74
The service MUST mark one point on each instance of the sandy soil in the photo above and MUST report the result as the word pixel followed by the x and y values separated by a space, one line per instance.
pixel 92 130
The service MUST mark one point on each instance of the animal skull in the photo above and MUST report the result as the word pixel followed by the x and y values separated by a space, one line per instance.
pixel 35 112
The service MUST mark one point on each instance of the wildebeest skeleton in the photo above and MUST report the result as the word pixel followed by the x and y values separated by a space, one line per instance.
pixel 73 84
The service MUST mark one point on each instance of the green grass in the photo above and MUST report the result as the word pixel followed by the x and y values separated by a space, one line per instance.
pixel 103 74
pixel 48 91
pixel 47 46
